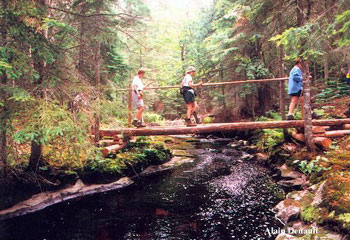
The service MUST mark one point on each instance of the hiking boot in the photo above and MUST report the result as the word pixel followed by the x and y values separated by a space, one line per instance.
pixel 135 123
pixel 315 115
pixel 198 121
pixel 141 125
pixel 189 123
pixel 347 113
pixel 290 117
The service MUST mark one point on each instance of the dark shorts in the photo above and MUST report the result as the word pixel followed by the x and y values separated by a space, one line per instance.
pixel 297 94
pixel 189 97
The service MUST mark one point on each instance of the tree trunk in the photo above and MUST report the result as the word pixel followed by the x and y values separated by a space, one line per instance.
pixel 299 10
pixel 81 46
pixel 35 155
pixel 282 84
pixel 3 140
pixel 98 87
pixel 315 74
pixel 182 47
pixel 40 66
pixel 3 110
pixel 221 73
pixel 326 68
pixel 307 111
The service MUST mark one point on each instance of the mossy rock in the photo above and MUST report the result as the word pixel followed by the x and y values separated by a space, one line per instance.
pixel 344 220
pixel 337 192
pixel 313 214
pixel 133 160
pixel 340 160
pixel 182 153
pixel 304 198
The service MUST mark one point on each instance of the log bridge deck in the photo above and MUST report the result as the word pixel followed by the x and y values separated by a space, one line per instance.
pixel 218 127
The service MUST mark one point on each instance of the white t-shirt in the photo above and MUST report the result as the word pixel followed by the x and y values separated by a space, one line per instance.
pixel 187 79
pixel 137 84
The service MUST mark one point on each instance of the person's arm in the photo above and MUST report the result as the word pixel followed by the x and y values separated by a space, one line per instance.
pixel 149 84
pixel 135 88
pixel 191 84
pixel 297 76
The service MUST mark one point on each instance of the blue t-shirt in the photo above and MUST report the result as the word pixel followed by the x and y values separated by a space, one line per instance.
pixel 295 82
pixel 347 77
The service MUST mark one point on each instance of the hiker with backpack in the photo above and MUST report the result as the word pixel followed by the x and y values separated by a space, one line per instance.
pixel 189 94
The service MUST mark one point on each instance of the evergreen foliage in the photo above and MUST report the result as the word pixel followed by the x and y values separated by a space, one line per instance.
pixel 53 53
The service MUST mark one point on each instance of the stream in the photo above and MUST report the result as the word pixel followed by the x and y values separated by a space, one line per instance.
pixel 219 195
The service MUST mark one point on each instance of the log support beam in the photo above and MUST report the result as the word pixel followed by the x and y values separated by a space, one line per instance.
pixel 219 127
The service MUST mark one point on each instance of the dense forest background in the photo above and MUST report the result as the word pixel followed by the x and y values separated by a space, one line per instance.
pixel 61 63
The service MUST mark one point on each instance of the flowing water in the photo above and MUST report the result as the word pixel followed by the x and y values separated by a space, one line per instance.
pixel 218 196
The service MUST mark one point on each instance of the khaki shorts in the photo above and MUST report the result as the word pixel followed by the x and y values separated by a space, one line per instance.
pixel 138 102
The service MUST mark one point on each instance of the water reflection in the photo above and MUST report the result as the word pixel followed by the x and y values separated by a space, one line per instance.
pixel 217 197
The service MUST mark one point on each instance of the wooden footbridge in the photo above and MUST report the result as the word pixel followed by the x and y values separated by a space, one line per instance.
pixel 218 127
pixel 322 130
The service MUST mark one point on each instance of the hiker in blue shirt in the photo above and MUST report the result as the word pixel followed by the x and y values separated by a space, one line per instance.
pixel 348 77
pixel 295 87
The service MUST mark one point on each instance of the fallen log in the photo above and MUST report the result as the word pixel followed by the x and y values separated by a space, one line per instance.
pixel 43 200
pixel 106 142
pixel 318 129
pixel 218 127
pixel 323 142
pixel 112 149
pixel 346 126
pixel 336 133
pixel 298 136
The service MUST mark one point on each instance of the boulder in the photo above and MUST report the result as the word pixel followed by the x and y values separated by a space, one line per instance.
pixel 287 210
pixel 285 236
pixel 299 195
pixel 288 172
pixel 319 195
pixel 247 157
pixel 294 183
pixel 262 157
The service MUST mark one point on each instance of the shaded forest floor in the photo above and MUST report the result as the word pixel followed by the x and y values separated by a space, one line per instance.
pixel 328 172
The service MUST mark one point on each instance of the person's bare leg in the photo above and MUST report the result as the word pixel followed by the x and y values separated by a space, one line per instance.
pixel 189 110
pixel 195 107
pixel 139 113
pixel 292 105
pixel 302 107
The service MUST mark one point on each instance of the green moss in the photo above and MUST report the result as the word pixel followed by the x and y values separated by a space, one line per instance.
pixel 208 120
pixel 132 160
pixel 310 214
pixel 270 139
pixel 337 192
pixel 344 219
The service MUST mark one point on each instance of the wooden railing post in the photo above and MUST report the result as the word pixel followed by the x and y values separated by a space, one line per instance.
pixel 307 111
pixel 282 101
pixel 129 106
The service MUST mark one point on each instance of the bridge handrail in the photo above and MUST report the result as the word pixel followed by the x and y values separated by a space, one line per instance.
pixel 217 83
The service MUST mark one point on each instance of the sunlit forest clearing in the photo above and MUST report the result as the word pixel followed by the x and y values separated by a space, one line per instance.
pixel 67 72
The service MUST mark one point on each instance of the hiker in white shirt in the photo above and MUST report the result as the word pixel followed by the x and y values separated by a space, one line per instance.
pixel 137 96
pixel 187 86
